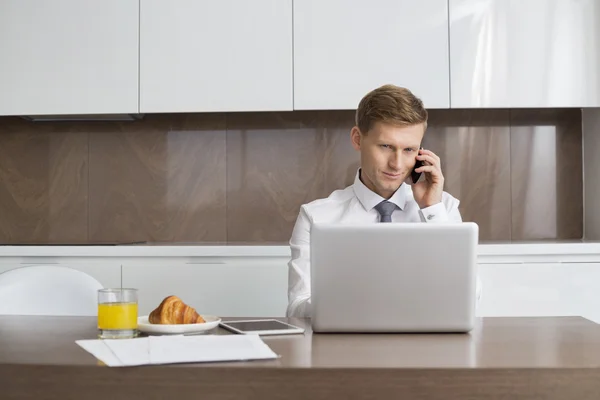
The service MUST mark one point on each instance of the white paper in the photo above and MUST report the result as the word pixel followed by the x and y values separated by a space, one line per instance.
pixel 177 349
pixel 130 351
pixel 99 350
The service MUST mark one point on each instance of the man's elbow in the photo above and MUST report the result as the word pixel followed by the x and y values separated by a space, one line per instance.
pixel 299 308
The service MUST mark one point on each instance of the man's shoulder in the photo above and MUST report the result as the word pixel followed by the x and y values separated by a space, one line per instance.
pixel 337 197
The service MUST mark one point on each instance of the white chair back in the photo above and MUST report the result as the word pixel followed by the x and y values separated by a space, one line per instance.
pixel 48 290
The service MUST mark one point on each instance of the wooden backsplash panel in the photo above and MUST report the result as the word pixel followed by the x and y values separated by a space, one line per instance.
pixel 43 182
pixel 242 177
pixel 274 165
pixel 160 179
pixel 546 174
pixel 474 146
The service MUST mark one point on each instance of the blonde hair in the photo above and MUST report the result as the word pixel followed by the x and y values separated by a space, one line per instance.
pixel 390 104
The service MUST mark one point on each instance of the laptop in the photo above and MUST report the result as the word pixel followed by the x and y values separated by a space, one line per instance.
pixel 402 277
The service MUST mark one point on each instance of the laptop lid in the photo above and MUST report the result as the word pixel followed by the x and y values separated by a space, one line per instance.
pixel 403 277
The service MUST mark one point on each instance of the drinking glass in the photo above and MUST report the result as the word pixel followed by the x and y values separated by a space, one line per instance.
pixel 117 313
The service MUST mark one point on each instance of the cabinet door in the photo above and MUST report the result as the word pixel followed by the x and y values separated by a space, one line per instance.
pixel 68 57
pixel 525 53
pixel 247 289
pixel 204 55
pixel 344 49
pixel 540 289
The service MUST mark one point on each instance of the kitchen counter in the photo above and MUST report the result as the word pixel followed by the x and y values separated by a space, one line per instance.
pixel 490 252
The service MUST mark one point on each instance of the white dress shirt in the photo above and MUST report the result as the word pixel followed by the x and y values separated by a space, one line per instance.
pixel 354 204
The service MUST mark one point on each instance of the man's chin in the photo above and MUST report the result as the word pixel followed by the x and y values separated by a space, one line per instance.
pixel 387 188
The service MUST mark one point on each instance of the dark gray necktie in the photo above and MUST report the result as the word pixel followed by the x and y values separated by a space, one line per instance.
pixel 385 209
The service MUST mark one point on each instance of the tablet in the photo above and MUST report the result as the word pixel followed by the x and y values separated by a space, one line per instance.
pixel 261 327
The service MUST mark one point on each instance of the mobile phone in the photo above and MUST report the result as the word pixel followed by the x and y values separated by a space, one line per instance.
pixel 416 175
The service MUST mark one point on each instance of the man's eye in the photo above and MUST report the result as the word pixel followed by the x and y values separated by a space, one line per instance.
pixel 409 150
pixel 385 146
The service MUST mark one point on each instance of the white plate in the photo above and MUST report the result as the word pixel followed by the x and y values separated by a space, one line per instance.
pixel 146 327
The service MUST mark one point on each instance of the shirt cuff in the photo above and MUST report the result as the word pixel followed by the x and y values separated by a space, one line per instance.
pixel 434 213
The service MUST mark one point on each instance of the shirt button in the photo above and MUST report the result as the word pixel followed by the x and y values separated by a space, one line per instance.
pixel 430 216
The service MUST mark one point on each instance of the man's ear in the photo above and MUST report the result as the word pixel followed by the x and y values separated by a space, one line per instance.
pixel 355 138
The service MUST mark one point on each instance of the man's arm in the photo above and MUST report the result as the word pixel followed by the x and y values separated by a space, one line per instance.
pixel 299 268
pixel 444 211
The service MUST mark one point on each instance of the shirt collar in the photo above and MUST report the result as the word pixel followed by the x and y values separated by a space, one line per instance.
pixel 370 199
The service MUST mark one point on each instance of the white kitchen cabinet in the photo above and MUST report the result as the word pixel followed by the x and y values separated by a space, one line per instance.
pixel 524 53
pixel 540 289
pixel 227 289
pixel 342 50
pixel 68 57
pixel 203 55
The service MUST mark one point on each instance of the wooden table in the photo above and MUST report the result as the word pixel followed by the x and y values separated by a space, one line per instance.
pixel 503 358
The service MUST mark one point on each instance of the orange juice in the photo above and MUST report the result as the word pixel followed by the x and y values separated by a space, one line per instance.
pixel 117 316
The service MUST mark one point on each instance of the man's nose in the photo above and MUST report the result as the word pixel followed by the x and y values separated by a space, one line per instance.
pixel 396 160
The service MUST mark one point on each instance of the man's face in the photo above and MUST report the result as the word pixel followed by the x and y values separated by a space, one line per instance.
pixel 387 155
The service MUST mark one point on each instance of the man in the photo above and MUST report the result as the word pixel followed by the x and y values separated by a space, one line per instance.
pixel 390 124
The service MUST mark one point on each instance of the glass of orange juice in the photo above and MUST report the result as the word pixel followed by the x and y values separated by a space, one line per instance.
pixel 117 313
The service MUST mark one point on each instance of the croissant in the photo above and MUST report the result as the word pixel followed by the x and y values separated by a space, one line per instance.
pixel 174 311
